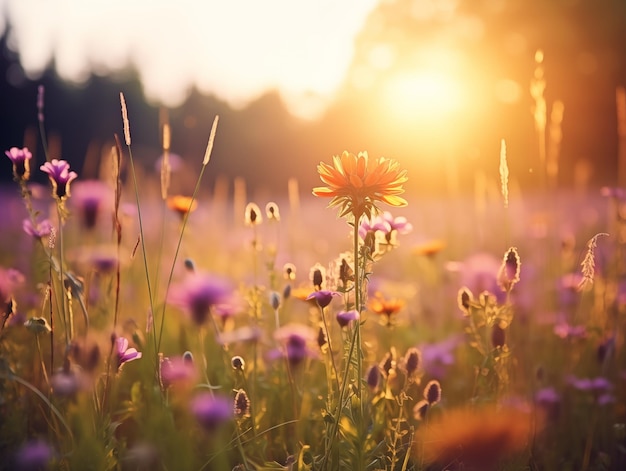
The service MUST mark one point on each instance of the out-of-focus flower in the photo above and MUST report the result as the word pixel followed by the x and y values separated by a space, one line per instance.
pixel 198 294
pixel 382 306
pixel 91 198
pixel 432 392
pixel 66 383
pixel 412 362
pixel 34 456
pixel 429 248
pixel 549 401
pixel 21 162
pixel 176 370
pixel 39 230
pixel 344 318
pixel 60 177
pixel 252 215
pixel 568 331
pixel 241 404
pixel 323 297
pixel 387 224
pixel 438 356
pixel 124 353
pixel 317 275
pixel 38 325
pixel 509 272
pixel 295 339
pixel 432 396
pixel 211 411
pixel 272 212
pixel 465 298
pixel 373 377
pixel 182 204
pixel 474 438
pixel 596 385
pixel 237 363
pixel 289 271
pixel 478 273
pixel 357 183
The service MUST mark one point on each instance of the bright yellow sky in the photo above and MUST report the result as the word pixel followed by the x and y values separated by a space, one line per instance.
pixel 235 49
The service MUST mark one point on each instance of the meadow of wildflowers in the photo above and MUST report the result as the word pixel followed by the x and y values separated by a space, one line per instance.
pixel 144 330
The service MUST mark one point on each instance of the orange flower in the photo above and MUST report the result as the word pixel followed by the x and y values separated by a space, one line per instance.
pixel 385 307
pixel 357 183
pixel 182 204
pixel 484 439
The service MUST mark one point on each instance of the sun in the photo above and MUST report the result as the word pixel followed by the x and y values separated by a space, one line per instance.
pixel 421 95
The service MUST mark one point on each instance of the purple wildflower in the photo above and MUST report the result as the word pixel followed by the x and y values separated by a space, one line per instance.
pixel 211 411
pixel 34 455
pixel 176 370
pixel 39 230
pixel 344 318
pixel 296 339
pixel 436 357
pixel 21 162
pixel 550 401
pixel 124 353
pixel 90 198
pixel 199 294
pixel 323 297
pixel 387 225
pixel 412 362
pixel 60 176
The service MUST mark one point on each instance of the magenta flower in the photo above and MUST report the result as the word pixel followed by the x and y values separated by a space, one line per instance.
pixel 39 230
pixel 344 318
pixel 177 370
pixel 60 177
pixel 90 198
pixel 323 297
pixel 296 339
pixel 34 455
pixel 386 224
pixel 199 294
pixel 124 353
pixel 21 162
pixel 211 411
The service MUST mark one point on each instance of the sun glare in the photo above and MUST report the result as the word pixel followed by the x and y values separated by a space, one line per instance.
pixel 421 95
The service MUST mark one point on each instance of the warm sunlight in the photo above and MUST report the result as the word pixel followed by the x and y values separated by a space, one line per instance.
pixel 421 95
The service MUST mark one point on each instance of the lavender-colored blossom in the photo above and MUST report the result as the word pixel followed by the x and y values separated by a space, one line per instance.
pixel 21 162
pixel 438 356
pixel 65 384
pixel 198 294
pixel 90 198
pixel 344 318
pixel 568 331
pixel 60 177
pixel 176 370
pixel 39 230
pixel 124 353
pixel 597 384
pixel 322 297
pixel 386 224
pixel 211 411
pixel 34 455
pixel 295 339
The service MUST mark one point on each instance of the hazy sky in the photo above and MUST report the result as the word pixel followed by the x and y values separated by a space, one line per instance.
pixel 236 49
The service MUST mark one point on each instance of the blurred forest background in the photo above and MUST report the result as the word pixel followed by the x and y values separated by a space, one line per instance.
pixel 483 56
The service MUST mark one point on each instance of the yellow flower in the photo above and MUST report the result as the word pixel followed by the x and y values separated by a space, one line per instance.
pixel 357 183
pixel 181 204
